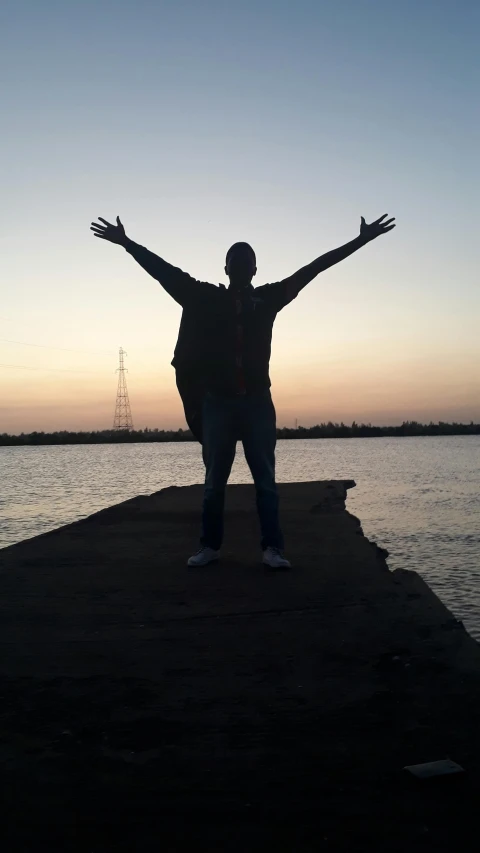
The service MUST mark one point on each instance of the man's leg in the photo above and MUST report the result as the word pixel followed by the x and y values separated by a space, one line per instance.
pixel 259 440
pixel 219 443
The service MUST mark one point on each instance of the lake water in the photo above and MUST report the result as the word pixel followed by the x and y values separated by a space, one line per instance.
pixel 417 497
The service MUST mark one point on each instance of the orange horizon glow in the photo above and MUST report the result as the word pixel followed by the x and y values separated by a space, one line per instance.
pixel 336 391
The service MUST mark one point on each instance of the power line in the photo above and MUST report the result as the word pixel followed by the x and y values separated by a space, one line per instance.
pixel 49 369
pixel 63 349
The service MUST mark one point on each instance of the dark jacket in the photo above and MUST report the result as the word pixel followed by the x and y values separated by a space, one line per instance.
pixel 207 345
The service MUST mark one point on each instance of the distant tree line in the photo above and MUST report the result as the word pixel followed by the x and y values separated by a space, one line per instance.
pixel 407 428
pixel 324 430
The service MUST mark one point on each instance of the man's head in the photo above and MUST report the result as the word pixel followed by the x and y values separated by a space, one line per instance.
pixel 240 264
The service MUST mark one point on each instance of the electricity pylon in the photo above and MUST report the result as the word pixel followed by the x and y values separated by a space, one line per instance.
pixel 123 415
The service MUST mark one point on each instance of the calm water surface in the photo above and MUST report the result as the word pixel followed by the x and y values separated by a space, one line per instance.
pixel 417 497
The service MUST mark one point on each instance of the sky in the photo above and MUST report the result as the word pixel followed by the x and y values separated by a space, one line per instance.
pixel 201 123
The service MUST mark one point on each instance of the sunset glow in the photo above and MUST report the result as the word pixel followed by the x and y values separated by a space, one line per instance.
pixel 279 124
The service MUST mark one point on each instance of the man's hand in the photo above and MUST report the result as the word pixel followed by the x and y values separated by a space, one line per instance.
pixel 112 233
pixel 369 232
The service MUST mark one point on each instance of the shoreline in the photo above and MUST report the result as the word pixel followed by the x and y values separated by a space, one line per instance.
pixel 154 436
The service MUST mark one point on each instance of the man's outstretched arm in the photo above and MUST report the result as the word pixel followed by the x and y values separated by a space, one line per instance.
pixel 306 274
pixel 177 283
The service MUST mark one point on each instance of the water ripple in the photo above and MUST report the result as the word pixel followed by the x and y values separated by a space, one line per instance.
pixel 417 497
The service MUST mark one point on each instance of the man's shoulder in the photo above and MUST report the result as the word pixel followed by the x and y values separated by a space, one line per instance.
pixel 203 293
pixel 268 293
pixel 215 289
pixel 206 288
pixel 278 294
pixel 266 290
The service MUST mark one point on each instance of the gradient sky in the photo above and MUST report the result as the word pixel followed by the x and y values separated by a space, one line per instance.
pixel 202 123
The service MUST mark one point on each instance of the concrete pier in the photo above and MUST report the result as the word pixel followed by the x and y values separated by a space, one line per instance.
pixel 147 707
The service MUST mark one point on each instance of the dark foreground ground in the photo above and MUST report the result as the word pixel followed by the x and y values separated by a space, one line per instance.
pixel 147 707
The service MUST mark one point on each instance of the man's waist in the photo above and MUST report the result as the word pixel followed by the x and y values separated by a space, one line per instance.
pixel 224 395
pixel 230 386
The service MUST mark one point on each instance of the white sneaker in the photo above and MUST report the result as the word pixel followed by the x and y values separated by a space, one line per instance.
pixel 203 557
pixel 274 558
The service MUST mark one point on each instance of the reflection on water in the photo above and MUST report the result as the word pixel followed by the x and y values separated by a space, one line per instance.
pixel 417 497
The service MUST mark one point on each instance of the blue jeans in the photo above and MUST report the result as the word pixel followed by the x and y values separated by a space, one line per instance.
pixel 251 420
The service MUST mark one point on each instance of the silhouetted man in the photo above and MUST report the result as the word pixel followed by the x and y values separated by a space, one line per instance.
pixel 222 364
